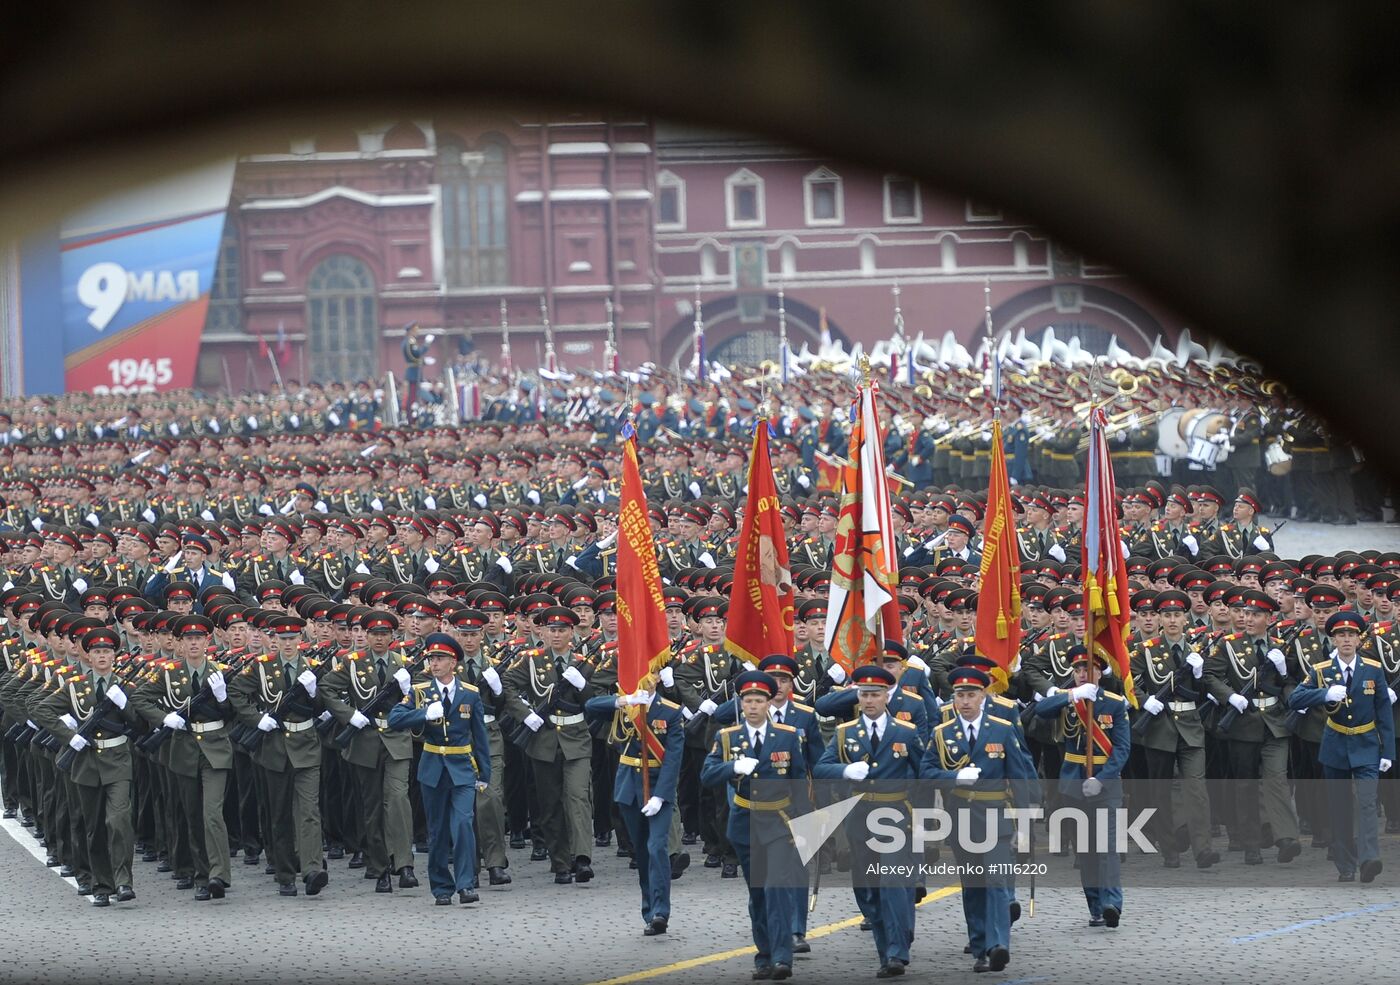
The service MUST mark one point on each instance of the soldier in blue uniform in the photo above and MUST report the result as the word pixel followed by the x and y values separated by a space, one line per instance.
pixel 877 746
pixel 759 749
pixel 905 703
pixel 648 818
pixel 981 760
pixel 1099 794
pixel 1358 744
pixel 783 709
pixel 456 763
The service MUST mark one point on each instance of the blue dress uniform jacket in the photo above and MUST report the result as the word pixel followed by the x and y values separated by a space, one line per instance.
pixel 665 721
pixel 456 757
pixel 907 706
pixel 1008 778
pixel 1359 733
pixel 799 716
pixel 1099 872
pixel 782 758
pixel 886 901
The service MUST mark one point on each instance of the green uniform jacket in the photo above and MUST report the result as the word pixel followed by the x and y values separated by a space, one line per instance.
pixel 349 686
pixel 527 685
pixel 1230 668
pixel 169 690
pixel 259 690
pixel 93 767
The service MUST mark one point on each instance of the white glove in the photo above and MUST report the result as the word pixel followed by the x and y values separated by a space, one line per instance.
pixel 1240 703
pixel 708 707
pixel 1391 692
pixel 1084 692
pixel 307 680
pixel 174 562
pixel 428 339
pixel 492 679
pixel 637 698
pixel 969 775
pixel 668 676
pixel 1386 765
pixel 480 500
pixel 80 584
pixel 707 559
pixel 1189 542
pixel 533 496
pixel 1336 693
pixel 1197 665
pixel 217 687
pixel 431 566
pixel 533 722
pixel 652 807
pixel 1261 543
pixel 504 564
pixel 1107 671
pixel 579 483
pixel 358 720
pixel 117 695
pixel 70 721
pixel 430 502
pixel 572 675
pixel 607 541
pixel 296 578
pixel 1057 552
pixel 433 712
pixel 836 672
pixel 858 770
pixel 265 509
pixel 1092 787
pixel 1152 706
pixel 207 516
pixel 267 724
pixel 403 678
pixel 252 422
pixel 78 743
pixel 92 519
pixel 745 765
pixel 1277 659
pixel 917 663
pixel 174 720
pixel 38 523
pixel 377 503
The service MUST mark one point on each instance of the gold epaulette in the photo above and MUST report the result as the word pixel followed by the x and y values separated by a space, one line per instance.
pixel 801 707
pixel 668 703
pixel 999 721
pixel 903 724
pixel 1369 662
pixel 783 726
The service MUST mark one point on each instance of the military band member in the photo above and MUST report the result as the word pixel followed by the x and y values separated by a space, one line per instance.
pixel 1357 746
pixel 455 767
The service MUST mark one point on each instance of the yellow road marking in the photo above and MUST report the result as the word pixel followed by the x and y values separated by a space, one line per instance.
pixel 822 931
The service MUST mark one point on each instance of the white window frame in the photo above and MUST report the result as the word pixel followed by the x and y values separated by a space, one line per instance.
pixel 824 175
pixel 893 220
pixel 744 177
pixel 669 179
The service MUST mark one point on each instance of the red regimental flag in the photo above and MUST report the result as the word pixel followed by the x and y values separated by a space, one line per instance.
pixel 1107 612
pixel 998 631
pixel 761 604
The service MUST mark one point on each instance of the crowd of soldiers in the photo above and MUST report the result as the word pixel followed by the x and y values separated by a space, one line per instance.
pixel 212 608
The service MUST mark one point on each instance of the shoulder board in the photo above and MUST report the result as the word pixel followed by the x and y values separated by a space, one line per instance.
pixel 783 726
pixel 1002 700
pixel 903 724
pixel 470 687
pixel 1231 637
pixel 1370 662
pixel 729 729
pixel 423 686
pixel 945 723
pixel 801 707
pixel 1322 665
pixel 913 692
pixel 666 703
pixel 999 721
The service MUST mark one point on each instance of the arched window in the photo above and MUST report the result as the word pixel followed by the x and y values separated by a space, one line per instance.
pixel 474 234
pixel 822 198
pixel 341 321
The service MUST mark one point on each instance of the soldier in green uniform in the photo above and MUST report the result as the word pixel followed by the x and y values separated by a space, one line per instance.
pixel 545 690
pixel 102 769
pixel 277 696
pixel 378 755
pixel 200 754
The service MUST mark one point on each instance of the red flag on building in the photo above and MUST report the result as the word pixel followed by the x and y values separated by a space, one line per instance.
pixel 643 645
pixel 999 592
pixel 863 610
pixel 761 604
pixel 1107 612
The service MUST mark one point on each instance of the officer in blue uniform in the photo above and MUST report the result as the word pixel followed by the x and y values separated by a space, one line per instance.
pixel 1100 794
pixel 1357 745
pixel 876 746
pixel 757 749
pixel 784 710
pixel 648 818
pixel 905 703
pixel 979 757
pixel 456 763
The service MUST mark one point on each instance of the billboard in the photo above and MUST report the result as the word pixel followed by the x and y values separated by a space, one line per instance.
pixel 135 272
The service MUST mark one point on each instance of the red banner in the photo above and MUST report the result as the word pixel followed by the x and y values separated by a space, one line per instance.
pixel 999 595
pixel 761 604
pixel 1107 612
